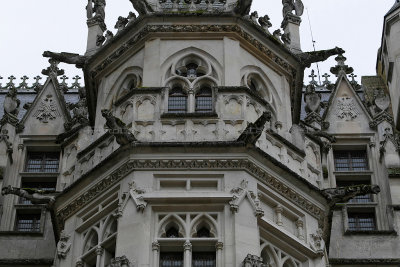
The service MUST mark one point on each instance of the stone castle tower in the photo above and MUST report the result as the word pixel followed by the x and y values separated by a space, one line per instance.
pixel 193 142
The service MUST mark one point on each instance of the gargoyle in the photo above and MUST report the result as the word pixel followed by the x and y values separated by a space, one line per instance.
pixel 254 130
pixel 35 196
pixel 142 7
pixel 243 7
pixel 68 58
pixel 344 194
pixel 118 128
pixel 307 58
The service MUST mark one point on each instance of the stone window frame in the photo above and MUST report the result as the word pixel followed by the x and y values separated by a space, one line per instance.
pixel 279 256
pixel 187 242
pixel 30 209
pixel 360 143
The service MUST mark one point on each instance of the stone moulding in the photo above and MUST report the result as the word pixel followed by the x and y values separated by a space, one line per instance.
pixel 188 29
pixel 183 164
pixel 364 261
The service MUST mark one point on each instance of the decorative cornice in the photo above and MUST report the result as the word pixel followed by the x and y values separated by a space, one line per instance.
pixel 364 261
pixel 15 262
pixel 215 164
pixel 187 29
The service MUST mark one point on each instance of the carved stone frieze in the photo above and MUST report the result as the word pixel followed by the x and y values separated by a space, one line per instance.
pixel 240 193
pixel 346 108
pixel 217 164
pixel 47 110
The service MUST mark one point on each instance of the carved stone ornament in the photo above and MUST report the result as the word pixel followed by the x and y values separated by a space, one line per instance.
pixel 118 128
pixel 136 193
pixel 177 164
pixel 389 136
pixel 292 5
pixel 63 246
pixel 383 116
pixel 346 108
pixel 122 261
pixel 47 110
pixel 382 100
pixel 36 196
pixel 253 261
pixel 317 242
pixel 312 99
pixel 11 102
pixel 344 194
pixel 239 194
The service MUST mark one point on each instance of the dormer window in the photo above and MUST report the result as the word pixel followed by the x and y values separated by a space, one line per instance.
pixel 177 101
pixel 204 100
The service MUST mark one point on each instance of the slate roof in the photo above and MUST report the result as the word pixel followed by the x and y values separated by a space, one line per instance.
pixel 394 7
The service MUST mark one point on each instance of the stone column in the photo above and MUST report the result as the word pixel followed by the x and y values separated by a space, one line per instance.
pixel 291 26
pixel 99 253
pixel 278 211
pixel 156 253
pixel 187 256
pixel 219 247
pixel 300 229
pixel 191 101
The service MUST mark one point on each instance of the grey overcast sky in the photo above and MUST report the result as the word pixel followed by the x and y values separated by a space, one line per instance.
pixel 29 27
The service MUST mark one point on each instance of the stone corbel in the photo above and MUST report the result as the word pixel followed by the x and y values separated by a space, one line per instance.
pixel 122 261
pixel 318 243
pixel 253 261
pixel 239 194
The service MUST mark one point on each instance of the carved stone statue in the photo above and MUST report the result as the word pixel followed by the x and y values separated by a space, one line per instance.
pixel 254 130
pixel 142 7
pixel 63 246
pixel 254 16
pixel 243 7
pixel 99 9
pixel 265 22
pixel 35 196
pixel 121 23
pixel 68 58
pixel 344 194
pixel 317 242
pixel 117 128
pixel 11 102
pixel 109 35
pixel 80 109
pixel 292 5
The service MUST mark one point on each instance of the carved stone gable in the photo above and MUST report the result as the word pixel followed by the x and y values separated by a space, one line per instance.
pixel 346 108
pixel 47 110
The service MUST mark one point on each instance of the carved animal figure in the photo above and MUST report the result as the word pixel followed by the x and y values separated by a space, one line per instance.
pixel 307 58
pixel 11 102
pixel 142 7
pixel 254 130
pixel 243 7
pixel 265 22
pixel 34 195
pixel 68 58
pixel 344 194
pixel 118 128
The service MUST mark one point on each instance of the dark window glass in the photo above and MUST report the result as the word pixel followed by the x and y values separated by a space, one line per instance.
pixel 177 101
pixel 358 199
pixel 171 259
pixel 204 101
pixel 44 186
pixel 203 232
pixel 203 259
pixel 361 221
pixel 28 223
pixel 355 160
pixel 172 233
pixel 42 162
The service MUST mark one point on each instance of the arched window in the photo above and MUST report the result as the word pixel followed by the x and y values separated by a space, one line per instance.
pixel 172 232
pixel 177 101
pixel 203 232
pixel 204 100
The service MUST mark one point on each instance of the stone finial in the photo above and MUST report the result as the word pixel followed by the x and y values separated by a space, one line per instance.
pixel 326 82
pixel 121 23
pixel 53 70
pixel 254 17
pixel 341 67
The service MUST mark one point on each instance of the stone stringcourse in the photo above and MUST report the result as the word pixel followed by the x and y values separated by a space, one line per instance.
pixel 37 85
pixel 235 164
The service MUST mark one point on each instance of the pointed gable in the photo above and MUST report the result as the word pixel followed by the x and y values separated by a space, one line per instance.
pixel 48 113
pixel 346 113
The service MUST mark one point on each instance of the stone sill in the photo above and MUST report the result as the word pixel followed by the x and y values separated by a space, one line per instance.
pixel 371 232
pixel 39 174
pixel 189 115
pixel 18 233
pixel 352 173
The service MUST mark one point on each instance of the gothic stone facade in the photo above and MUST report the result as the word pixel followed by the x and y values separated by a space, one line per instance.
pixel 194 143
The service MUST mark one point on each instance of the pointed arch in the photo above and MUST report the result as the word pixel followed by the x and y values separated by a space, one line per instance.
pixel 289 262
pixel 203 221
pixel 131 76
pixel 110 227
pixel 169 221
pixel 269 255
pixel 91 239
